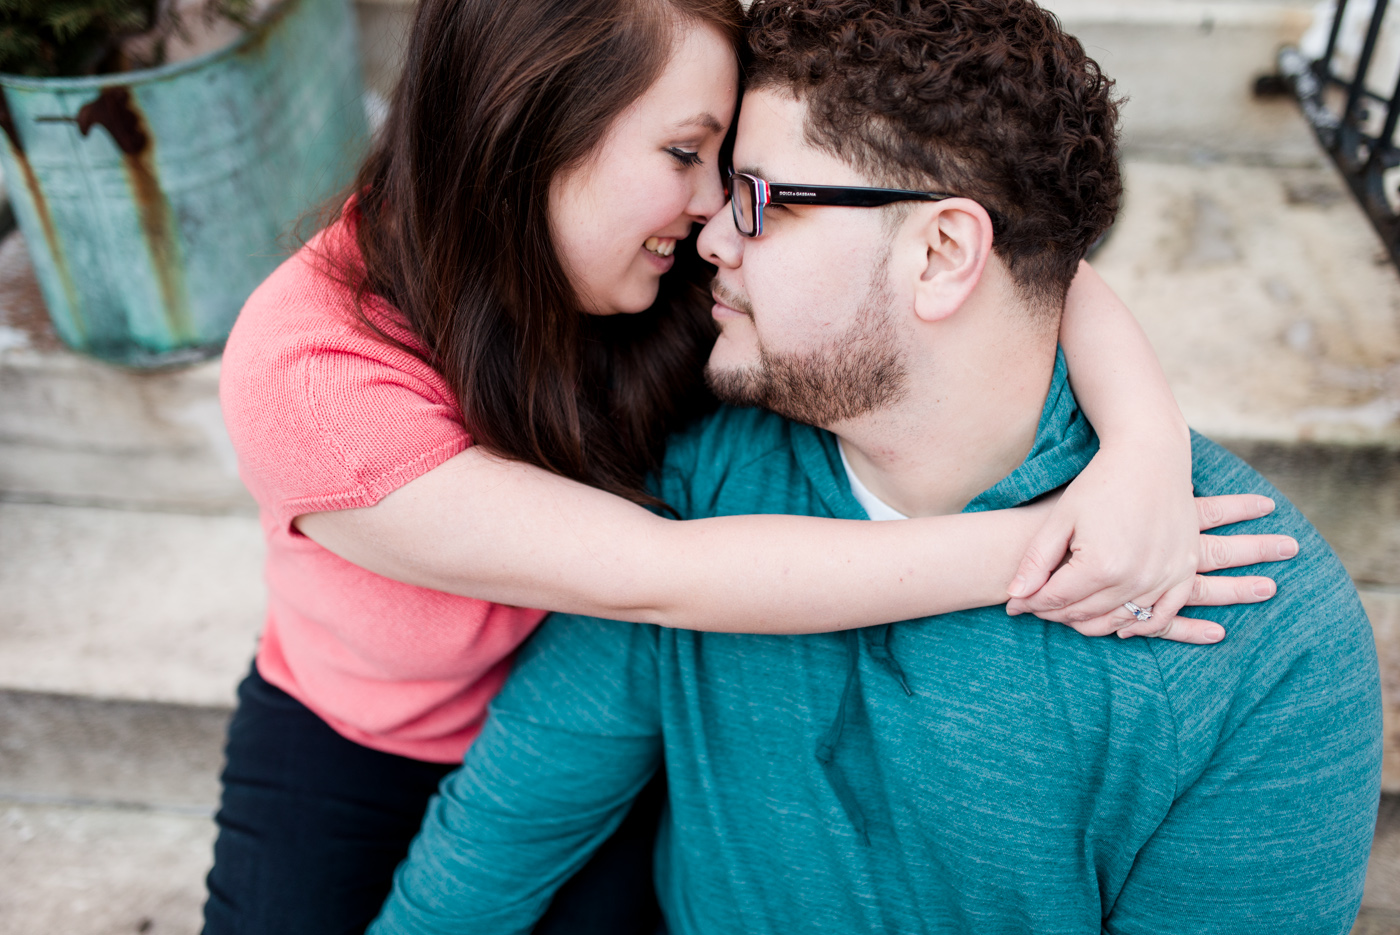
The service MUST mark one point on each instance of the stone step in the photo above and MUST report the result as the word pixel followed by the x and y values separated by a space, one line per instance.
pixel 85 870
pixel 1383 608
pixel 68 750
pixel 1269 299
pixel 1380 905
pixel 1350 493
pixel 1188 71
pixel 76 431
pixel 1277 318
pixel 118 604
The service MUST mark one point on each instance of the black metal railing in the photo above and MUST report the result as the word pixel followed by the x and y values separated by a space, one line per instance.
pixel 1353 122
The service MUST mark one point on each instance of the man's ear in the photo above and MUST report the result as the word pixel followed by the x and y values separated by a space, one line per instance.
pixel 957 239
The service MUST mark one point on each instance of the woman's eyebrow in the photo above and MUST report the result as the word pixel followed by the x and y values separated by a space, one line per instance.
pixel 706 120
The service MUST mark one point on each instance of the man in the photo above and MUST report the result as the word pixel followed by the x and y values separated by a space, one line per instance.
pixel 971 772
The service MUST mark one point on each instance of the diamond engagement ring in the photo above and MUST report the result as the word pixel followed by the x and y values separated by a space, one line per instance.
pixel 1142 613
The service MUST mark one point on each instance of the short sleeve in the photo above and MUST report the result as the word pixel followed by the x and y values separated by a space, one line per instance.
pixel 323 414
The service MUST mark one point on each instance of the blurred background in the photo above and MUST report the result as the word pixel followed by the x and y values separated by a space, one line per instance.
pixel 130 555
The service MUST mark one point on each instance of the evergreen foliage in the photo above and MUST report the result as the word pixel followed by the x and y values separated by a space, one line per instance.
pixel 47 38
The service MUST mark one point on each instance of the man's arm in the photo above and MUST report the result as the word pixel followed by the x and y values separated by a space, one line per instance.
pixel 570 741
pixel 1271 829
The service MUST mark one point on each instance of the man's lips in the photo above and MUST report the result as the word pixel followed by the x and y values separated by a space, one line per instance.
pixel 726 311
pixel 726 307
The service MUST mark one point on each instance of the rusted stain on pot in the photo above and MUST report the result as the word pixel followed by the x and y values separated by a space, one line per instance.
pixel 115 110
pixel 151 193
pixel 41 204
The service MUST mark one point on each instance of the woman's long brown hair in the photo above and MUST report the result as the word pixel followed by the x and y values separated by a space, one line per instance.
pixel 497 98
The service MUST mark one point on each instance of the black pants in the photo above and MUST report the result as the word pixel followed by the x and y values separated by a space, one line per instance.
pixel 312 825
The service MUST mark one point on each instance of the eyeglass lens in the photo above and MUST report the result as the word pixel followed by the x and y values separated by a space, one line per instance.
pixel 743 197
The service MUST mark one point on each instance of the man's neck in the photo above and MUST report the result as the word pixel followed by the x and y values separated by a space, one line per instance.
pixel 956 431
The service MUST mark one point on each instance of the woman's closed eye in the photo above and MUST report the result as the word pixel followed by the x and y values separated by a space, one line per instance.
pixel 685 157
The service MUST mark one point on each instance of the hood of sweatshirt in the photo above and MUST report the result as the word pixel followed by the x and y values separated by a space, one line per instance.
pixel 1064 444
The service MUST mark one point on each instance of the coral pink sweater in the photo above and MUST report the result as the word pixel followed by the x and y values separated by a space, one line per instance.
pixel 325 417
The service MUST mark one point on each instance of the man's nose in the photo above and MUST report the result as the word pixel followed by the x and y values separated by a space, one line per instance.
pixel 720 242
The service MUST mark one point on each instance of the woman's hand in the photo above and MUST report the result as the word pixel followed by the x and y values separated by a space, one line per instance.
pixel 1132 534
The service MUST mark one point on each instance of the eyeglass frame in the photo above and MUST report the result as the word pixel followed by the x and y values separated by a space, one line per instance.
pixel 843 196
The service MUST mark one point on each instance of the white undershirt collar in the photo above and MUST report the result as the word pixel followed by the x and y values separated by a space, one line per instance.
pixel 875 508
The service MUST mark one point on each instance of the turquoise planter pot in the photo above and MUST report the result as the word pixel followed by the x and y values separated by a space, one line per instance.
pixel 153 202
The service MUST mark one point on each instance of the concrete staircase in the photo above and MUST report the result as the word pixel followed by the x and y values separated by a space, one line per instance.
pixel 130 602
pixel 130 580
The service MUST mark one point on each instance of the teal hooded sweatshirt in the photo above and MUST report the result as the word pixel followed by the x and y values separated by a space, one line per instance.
pixel 968 773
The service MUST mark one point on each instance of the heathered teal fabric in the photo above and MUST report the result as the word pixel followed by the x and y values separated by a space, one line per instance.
pixel 1027 780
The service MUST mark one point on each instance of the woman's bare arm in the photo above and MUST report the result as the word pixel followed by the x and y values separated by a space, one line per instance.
pixel 1129 521
pixel 502 531
pixel 499 530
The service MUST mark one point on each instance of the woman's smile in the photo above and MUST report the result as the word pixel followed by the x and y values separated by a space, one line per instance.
pixel 660 246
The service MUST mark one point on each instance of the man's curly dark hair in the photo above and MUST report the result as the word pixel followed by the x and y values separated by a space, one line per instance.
pixel 990 99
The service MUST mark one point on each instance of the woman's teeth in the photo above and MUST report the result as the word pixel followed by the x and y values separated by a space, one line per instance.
pixel 661 246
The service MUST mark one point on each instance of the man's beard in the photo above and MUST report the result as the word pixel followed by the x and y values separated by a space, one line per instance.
pixel 856 372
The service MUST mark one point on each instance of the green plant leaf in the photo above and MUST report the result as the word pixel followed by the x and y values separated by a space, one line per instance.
pixel 75 37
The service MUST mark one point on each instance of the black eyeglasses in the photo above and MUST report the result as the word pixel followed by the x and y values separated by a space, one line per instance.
pixel 749 195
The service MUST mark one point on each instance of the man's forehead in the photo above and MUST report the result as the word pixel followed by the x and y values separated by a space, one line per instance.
pixel 770 142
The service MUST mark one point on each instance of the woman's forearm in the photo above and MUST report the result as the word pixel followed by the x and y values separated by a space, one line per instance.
pixel 1129 520
pixel 502 531
pixel 813 574
pixel 1115 373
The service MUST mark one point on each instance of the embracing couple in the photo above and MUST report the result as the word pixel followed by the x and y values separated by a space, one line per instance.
pixel 486 386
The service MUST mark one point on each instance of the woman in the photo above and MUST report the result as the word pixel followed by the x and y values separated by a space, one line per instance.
pixel 448 403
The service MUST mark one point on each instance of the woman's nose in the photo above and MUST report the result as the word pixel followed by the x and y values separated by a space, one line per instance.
pixel 709 198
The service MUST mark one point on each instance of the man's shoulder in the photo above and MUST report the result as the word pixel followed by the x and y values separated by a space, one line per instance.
pixel 1316 599
pixel 1307 652
pixel 1316 572
pixel 729 432
pixel 729 456
pixel 1214 465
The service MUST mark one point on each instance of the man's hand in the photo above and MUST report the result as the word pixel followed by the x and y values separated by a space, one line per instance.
pixel 1130 540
